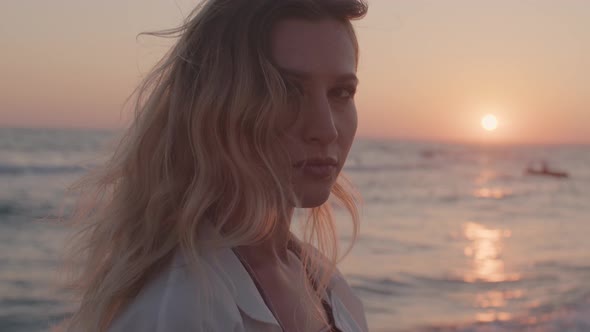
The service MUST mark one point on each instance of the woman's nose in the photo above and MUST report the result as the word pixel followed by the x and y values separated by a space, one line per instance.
pixel 319 126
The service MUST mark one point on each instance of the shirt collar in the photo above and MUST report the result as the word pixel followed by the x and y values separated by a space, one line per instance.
pixel 241 285
pixel 244 290
pixel 245 293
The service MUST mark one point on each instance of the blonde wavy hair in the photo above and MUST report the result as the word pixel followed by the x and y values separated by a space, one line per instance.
pixel 202 149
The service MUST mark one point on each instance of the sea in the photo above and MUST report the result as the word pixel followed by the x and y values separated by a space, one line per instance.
pixel 454 237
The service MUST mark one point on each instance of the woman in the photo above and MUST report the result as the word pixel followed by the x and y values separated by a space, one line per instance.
pixel 188 226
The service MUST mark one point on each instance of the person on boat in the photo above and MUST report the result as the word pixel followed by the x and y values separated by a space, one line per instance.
pixel 546 171
pixel 545 167
pixel 187 227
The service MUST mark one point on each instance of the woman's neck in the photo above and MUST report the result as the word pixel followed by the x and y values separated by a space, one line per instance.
pixel 272 251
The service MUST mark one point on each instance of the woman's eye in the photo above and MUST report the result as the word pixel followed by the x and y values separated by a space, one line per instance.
pixel 344 93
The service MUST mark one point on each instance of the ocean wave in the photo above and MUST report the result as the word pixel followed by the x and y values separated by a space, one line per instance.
pixel 374 290
pixel 377 286
pixel 7 169
pixel 382 281
pixel 15 211
pixel 8 208
pixel 571 317
pixel 391 167
pixel 563 266
pixel 462 281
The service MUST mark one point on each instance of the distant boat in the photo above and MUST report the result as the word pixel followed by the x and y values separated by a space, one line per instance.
pixel 545 171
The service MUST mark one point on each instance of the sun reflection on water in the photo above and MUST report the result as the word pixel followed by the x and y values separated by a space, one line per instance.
pixel 485 249
pixel 486 190
pixel 485 176
pixel 497 299
pixel 494 193
pixel 492 316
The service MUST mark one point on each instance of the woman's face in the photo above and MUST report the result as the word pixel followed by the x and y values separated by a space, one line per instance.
pixel 318 61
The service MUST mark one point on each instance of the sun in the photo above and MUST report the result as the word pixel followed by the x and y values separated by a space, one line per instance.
pixel 489 122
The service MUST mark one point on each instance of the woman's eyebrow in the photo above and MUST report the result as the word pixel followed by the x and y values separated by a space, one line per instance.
pixel 306 76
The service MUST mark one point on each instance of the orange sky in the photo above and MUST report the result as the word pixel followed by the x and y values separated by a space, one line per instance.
pixel 429 69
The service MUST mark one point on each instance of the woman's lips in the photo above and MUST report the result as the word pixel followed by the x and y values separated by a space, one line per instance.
pixel 319 171
pixel 319 168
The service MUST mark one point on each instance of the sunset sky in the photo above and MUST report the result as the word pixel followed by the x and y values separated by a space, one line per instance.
pixel 429 69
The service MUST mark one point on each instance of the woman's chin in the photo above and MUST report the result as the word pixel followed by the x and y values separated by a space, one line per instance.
pixel 313 198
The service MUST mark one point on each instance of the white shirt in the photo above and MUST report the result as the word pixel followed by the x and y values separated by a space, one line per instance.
pixel 220 296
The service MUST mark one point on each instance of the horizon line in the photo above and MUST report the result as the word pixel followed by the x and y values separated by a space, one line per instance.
pixel 409 139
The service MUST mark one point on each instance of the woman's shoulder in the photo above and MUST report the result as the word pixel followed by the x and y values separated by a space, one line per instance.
pixel 179 298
